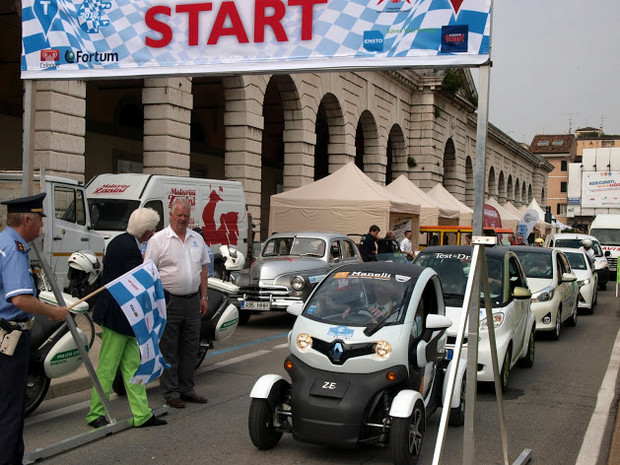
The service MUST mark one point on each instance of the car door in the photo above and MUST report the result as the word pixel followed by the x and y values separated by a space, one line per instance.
pixel 569 289
pixel 516 278
pixel 349 251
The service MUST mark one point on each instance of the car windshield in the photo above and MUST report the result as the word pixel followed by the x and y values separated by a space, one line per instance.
pixel 111 214
pixel 536 265
pixel 576 243
pixel 577 261
pixel 293 245
pixel 453 270
pixel 607 236
pixel 358 298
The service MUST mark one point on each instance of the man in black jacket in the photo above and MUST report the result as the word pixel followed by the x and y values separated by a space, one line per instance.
pixel 119 347
pixel 368 245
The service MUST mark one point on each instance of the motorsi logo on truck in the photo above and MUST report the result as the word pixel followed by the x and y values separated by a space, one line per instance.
pixel 111 189
pixel 89 57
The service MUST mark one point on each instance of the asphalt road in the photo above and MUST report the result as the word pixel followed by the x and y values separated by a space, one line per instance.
pixel 547 407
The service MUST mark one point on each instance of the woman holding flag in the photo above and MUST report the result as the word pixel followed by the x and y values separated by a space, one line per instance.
pixel 119 347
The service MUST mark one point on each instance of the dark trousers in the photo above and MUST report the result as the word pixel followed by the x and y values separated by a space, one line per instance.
pixel 179 346
pixel 13 376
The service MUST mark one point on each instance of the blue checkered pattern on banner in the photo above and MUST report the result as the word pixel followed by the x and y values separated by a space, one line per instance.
pixel 116 30
pixel 140 295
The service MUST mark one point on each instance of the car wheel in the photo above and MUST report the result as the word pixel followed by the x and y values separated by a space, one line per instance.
pixel 260 424
pixel 457 414
pixel 594 300
pixel 558 326
pixel 406 436
pixel 528 360
pixel 572 321
pixel 505 372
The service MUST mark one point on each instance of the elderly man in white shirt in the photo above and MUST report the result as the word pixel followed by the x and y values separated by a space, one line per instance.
pixel 182 260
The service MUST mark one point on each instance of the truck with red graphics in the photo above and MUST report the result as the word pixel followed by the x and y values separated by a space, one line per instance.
pixel 218 207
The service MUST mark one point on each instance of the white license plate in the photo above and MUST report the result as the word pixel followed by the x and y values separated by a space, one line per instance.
pixel 251 305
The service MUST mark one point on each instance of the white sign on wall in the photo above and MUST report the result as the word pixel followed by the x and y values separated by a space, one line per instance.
pixel 601 189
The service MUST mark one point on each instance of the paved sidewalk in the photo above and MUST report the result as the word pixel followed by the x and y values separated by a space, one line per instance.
pixel 614 451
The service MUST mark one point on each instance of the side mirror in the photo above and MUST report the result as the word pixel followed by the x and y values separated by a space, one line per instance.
pixel 295 308
pixel 434 321
pixel 568 277
pixel 521 293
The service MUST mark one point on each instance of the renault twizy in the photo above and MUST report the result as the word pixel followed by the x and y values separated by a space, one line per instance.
pixel 367 363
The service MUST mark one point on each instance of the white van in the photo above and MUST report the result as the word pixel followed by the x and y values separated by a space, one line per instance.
pixel 67 226
pixel 606 228
pixel 218 206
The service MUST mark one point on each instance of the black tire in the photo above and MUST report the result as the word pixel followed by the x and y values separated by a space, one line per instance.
pixel 260 425
pixel 555 335
pixel 457 414
pixel 572 321
pixel 504 374
pixel 117 385
pixel 528 360
pixel 407 435
pixel 594 301
pixel 202 353
pixel 37 386
pixel 244 317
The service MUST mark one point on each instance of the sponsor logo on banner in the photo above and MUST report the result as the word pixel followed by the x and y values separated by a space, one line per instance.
pixel 373 41
pixel 49 57
pixel 89 57
pixel 454 39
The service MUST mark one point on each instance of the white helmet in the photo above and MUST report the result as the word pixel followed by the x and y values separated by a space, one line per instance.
pixel 234 259
pixel 86 261
pixel 586 243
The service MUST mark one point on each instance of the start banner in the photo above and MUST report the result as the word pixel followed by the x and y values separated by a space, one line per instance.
pixel 81 39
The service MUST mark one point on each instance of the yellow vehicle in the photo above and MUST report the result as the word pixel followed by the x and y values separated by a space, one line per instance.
pixel 455 235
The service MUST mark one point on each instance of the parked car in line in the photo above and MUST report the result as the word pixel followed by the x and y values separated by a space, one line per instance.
pixel 288 268
pixel 514 323
pixel 587 279
pixel 554 287
pixel 573 241
pixel 359 375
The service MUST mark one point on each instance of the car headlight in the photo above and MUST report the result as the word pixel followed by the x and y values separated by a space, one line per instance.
pixel 383 349
pixel 543 296
pixel 304 342
pixel 498 319
pixel 298 283
pixel 583 283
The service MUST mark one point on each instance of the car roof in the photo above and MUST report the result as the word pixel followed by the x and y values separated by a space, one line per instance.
pixel 573 236
pixel 318 234
pixel 532 248
pixel 495 252
pixel 405 269
pixel 568 250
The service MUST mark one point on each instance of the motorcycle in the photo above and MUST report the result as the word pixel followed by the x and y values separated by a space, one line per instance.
pixel 218 324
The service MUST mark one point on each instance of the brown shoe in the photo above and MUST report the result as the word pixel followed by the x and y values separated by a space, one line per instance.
pixel 175 403
pixel 195 399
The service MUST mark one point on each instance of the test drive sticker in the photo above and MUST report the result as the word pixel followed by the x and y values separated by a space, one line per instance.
pixel 340 332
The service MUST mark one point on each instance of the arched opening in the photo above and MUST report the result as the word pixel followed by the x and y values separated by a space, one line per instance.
pixel 207 132
pixel 469 182
pixel 367 154
pixel 450 178
pixel 396 156
pixel 492 184
pixel 501 188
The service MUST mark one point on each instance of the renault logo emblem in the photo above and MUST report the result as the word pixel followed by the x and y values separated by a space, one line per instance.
pixel 337 350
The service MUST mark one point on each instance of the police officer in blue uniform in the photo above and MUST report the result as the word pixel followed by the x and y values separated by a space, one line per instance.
pixel 18 305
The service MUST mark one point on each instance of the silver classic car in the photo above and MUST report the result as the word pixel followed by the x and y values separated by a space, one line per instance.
pixel 289 267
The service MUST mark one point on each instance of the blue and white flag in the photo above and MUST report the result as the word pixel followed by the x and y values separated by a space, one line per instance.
pixel 140 294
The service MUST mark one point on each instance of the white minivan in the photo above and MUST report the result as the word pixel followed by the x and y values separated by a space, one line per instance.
pixel 606 228
pixel 218 206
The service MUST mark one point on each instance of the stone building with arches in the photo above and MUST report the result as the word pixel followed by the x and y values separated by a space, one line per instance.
pixel 271 132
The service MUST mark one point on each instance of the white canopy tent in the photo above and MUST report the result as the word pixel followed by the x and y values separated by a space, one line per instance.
pixel 508 219
pixel 346 201
pixel 431 211
pixel 512 209
pixel 440 194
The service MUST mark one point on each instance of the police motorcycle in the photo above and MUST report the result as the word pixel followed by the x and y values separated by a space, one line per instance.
pixel 53 351
pixel 367 363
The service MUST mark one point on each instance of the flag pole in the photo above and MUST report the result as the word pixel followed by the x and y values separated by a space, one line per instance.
pixel 84 299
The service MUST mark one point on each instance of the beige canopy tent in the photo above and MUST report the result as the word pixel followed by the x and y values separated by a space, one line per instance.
pixel 347 201
pixel 440 194
pixel 431 211
pixel 512 209
pixel 508 219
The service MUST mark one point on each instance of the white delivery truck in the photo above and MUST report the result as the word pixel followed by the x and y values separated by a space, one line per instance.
pixel 606 228
pixel 218 206
pixel 67 226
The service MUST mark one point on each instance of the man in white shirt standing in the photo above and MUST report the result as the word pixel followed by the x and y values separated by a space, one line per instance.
pixel 405 246
pixel 182 260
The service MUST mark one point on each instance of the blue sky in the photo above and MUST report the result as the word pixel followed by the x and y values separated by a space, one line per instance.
pixel 556 64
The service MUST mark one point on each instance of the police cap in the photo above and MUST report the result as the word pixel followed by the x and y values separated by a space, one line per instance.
pixel 31 204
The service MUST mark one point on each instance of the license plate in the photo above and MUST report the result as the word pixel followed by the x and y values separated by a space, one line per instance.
pixel 449 354
pixel 251 305
pixel 329 388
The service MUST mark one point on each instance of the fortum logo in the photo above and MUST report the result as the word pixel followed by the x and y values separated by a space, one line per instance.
pixel 86 57
pixel 373 41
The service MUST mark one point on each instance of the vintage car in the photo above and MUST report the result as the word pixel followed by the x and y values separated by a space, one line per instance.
pixel 290 265
pixel 513 320
pixel 367 363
